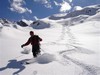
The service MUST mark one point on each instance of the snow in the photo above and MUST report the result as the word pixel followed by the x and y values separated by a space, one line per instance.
pixel 65 49
pixel 28 22
pixel 77 8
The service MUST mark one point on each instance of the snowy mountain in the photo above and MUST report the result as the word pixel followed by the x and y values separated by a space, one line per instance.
pixel 78 16
pixel 65 49
pixel 89 10
pixel 39 24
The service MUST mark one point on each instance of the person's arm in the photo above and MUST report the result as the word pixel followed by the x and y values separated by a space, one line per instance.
pixel 27 43
pixel 39 38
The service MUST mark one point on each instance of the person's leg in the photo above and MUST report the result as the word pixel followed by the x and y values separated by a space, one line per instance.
pixel 35 50
pixel 34 54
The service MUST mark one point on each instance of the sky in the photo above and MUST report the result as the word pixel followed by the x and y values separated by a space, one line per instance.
pixel 37 9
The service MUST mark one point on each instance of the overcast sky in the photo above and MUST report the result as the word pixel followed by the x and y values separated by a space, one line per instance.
pixel 37 9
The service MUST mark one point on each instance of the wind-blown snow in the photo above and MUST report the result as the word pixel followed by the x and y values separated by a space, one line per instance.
pixel 65 49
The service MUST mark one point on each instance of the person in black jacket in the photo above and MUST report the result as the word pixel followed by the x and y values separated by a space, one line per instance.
pixel 35 42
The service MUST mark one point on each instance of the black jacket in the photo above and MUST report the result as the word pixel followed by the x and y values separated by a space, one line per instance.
pixel 34 40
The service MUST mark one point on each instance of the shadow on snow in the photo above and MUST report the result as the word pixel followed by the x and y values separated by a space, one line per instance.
pixel 14 64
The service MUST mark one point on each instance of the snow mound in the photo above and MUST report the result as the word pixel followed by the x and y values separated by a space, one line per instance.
pixel 92 28
pixel 26 50
pixel 45 58
pixel 94 17
pixel 40 25
pixel 28 22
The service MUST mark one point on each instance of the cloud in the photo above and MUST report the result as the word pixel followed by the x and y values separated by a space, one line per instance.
pixel 57 4
pixel 35 17
pixel 69 0
pixel 64 6
pixel 77 8
pixel 46 3
pixel 17 6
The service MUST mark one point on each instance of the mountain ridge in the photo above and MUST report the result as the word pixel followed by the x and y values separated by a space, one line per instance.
pixel 73 18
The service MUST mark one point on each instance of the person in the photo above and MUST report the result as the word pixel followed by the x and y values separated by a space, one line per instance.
pixel 35 42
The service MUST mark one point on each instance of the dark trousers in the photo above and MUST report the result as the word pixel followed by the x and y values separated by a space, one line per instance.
pixel 35 50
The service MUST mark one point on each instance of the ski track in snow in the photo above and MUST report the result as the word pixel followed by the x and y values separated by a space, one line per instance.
pixel 88 69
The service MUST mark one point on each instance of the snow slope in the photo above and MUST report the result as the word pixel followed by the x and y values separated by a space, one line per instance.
pixel 66 50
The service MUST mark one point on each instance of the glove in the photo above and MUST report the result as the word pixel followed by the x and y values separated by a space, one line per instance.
pixel 22 46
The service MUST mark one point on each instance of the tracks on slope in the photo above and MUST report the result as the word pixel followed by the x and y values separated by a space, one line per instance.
pixel 87 69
